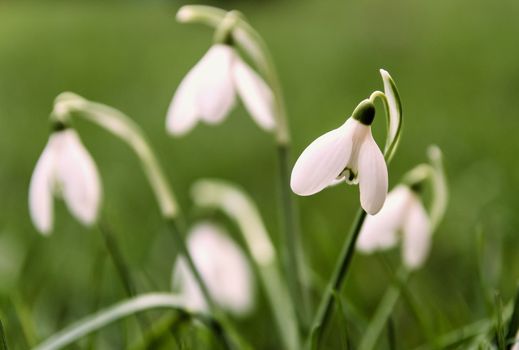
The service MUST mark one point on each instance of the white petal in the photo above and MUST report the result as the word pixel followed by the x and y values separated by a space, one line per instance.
pixel 186 282
pixel 380 231
pixel 77 174
pixel 417 235
pixel 516 345
pixel 40 191
pixel 373 179
pixel 207 92
pixel 223 267
pixel 255 93
pixel 182 112
pixel 216 95
pixel 323 160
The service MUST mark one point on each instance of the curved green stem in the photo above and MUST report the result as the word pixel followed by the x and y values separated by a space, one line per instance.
pixel 325 311
pixel 122 126
pixel 121 310
pixel 237 205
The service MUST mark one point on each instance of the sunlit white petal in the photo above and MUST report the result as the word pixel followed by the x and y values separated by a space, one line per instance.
pixel 66 169
pixel 207 92
pixel 380 231
pixel 216 94
pixel 223 267
pixel 40 191
pixel 417 235
pixel 323 160
pixel 373 178
pixel 78 176
pixel 255 94
pixel 182 112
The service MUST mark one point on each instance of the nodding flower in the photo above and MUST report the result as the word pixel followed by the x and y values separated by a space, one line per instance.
pixel 65 169
pixel 403 212
pixel 208 92
pixel 223 267
pixel 347 154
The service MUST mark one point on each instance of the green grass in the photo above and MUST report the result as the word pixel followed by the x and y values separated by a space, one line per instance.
pixel 456 66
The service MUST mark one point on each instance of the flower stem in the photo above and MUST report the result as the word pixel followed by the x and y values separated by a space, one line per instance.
pixel 112 120
pixel 292 245
pixel 120 264
pixel 325 311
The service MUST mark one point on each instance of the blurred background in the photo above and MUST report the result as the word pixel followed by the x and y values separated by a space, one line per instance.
pixel 456 65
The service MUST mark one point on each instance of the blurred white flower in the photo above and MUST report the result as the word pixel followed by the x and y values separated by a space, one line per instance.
pixel 346 154
pixel 208 92
pixel 516 344
pixel 402 212
pixel 65 169
pixel 223 267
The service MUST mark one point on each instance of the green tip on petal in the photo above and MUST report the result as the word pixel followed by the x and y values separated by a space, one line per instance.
pixel 58 125
pixel 365 112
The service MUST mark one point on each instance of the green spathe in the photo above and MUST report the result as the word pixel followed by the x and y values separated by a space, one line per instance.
pixel 365 112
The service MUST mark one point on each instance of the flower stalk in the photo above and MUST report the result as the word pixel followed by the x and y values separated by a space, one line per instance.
pixel 251 43
pixel 120 125
pixel 393 106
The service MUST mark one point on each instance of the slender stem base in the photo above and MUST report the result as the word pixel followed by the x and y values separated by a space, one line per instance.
pixel 293 251
pixel 117 258
pixel 325 311
pixel 383 312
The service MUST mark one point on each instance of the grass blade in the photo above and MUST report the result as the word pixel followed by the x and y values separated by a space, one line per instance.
pixel 3 344
pixel 513 325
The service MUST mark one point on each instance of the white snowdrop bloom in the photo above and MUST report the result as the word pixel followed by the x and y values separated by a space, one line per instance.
pixel 208 92
pixel 403 212
pixel 346 154
pixel 65 169
pixel 223 267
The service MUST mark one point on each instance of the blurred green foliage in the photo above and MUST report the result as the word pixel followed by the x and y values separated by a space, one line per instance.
pixel 456 65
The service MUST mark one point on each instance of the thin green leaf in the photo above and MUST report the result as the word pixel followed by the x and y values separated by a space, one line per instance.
pixel 500 325
pixel 344 334
pixel 391 338
pixel 119 311
pixel 3 344
pixel 513 325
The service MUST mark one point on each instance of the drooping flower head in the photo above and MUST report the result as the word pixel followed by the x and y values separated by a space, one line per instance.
pixel 65 169
pixel 223 267
pixel 403 212
pixel 404 218
pixel 209 90
pixel 347 154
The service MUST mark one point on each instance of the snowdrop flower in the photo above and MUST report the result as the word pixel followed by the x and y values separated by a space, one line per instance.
pixel 208 92
pixel 65 169
pixel 402 212
pixel 347 154
pixel 223 267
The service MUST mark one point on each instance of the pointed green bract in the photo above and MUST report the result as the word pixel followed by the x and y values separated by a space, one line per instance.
pixel 394 115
